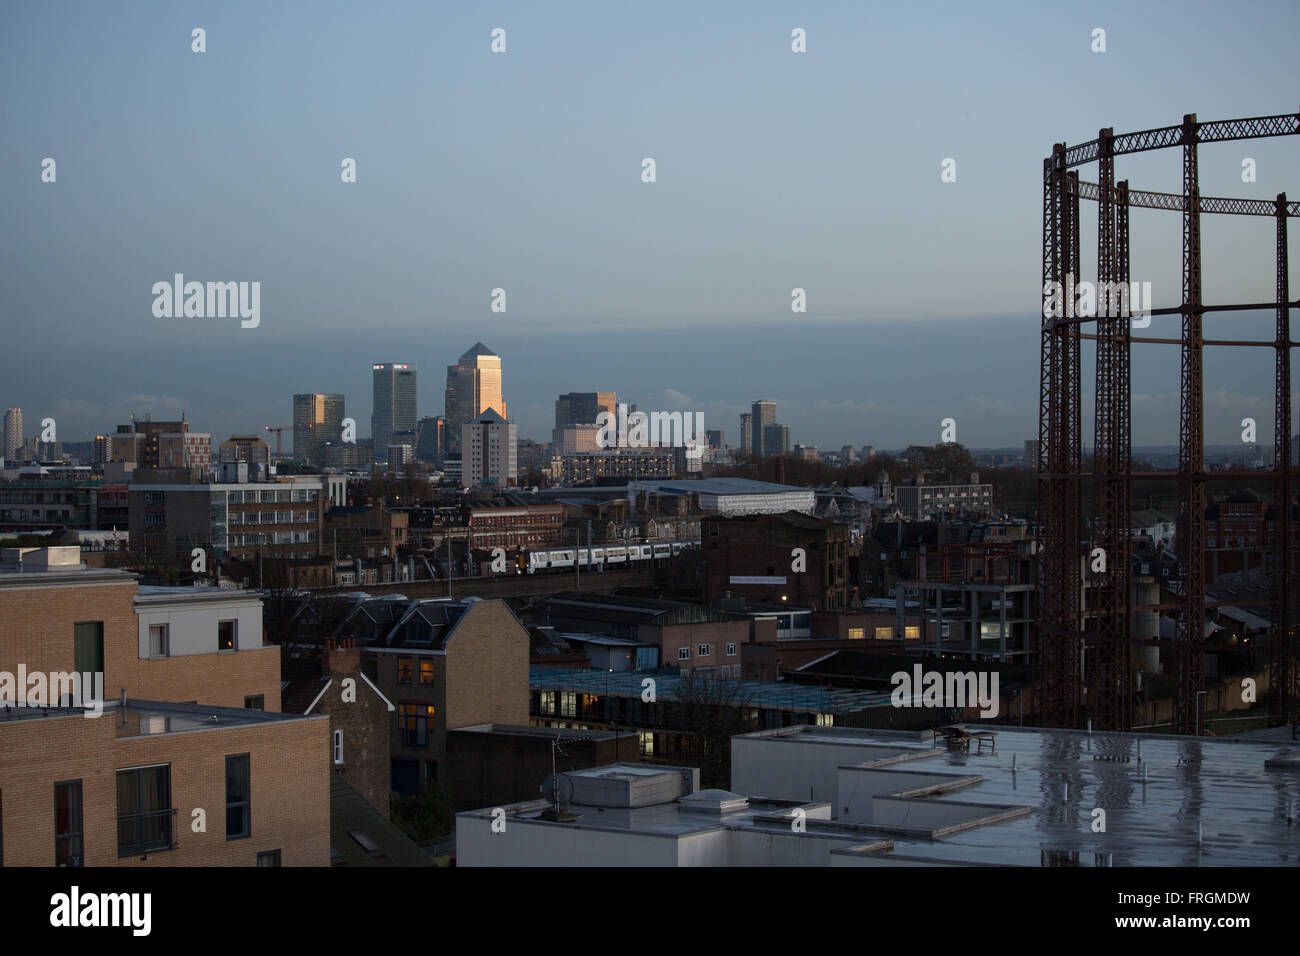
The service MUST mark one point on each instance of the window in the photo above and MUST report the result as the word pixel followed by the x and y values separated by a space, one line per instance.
pixel 238 796
pixel 269 858
pixel 158 640
pixel 403 670
pixel 548 702
pixel 731 650
pixel 704 650
pixel 225 635
pixel 414 720
pixel 144 810
pixel 88 647
pixel 426 671
pixel 884 633
pixel 256 702
pixel 647 739
pixel 568 704
pixel 67 823
pixel 338 747
pixel 825 720
pixel 857 633
pixel 683 653
pixel 912 632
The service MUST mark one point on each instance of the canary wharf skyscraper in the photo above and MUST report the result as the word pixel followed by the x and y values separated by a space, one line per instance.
pixel 394 408
pixel 473 387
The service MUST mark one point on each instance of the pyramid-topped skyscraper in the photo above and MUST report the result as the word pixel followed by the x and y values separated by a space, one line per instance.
pixel 473 387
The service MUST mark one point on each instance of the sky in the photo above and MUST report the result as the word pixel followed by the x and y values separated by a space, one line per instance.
pixel 523 171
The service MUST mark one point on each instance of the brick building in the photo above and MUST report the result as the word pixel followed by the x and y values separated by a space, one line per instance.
pixel 131 785
pixel 443 664
pixel 528 526
pixel 358 715
pixel 154 643
pixel 127 788
pixel 754 557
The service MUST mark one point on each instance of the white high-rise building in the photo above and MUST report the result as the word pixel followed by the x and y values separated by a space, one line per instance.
pixel 488 452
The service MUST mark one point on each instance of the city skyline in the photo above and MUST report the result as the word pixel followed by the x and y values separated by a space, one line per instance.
pixel 595 265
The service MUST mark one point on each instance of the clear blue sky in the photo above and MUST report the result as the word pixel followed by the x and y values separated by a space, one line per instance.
pixel 522 171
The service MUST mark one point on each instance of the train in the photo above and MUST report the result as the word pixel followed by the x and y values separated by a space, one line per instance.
pixel 599 556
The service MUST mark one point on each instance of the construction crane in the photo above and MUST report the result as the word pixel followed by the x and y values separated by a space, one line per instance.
pixel 277 429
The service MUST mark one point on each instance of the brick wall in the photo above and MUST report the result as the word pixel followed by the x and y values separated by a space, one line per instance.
pixel 289 801
pixel 38 629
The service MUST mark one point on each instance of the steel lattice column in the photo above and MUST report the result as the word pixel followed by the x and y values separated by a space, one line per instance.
pixel 1285 585
pixel 1056 658
pixel 1109 679
pixel 1189 647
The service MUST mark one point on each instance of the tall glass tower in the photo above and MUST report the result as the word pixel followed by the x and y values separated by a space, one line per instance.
pixel 394 408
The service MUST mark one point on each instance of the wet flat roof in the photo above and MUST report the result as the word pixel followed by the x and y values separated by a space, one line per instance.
pixel 1156 789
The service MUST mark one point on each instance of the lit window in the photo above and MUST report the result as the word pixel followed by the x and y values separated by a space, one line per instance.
pixel 404 669
pixel 426 671
pixel 414 721
pixel 857 633
pixel 884 633
pixel 912 632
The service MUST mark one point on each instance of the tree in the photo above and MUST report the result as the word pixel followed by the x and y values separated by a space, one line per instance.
pixel 711 711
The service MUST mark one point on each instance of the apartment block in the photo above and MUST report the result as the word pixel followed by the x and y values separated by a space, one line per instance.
pixel 920 499
pixel 234 519
pixel 488 445
pixel 163 784
pixel 223 780
pixel 156 643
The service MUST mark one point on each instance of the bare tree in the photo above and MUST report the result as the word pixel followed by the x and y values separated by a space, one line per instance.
pixel 711 711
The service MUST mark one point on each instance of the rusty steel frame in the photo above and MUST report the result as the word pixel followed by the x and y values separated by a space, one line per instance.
pixel 1084 643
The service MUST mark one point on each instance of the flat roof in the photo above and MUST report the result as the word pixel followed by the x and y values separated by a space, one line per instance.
pixel 150 718
pixel 802 698
pixel 670 819
pixel 717 486
pixel 63 575
pixel 520 730
pixel 1155 788
pixel 160 594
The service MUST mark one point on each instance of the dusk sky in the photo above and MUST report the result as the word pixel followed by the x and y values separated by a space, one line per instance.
pixel 523 171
